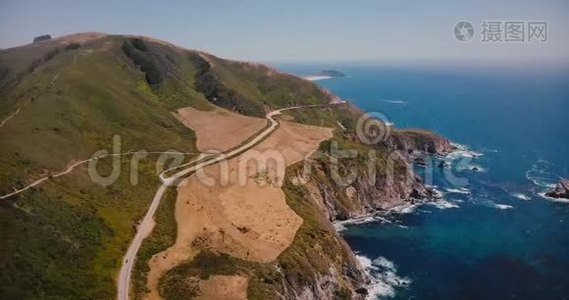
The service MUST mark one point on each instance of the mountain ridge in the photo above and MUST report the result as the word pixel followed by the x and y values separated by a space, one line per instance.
pixel 72 100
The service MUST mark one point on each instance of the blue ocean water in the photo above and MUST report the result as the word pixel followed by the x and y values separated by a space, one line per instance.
pixel 495 237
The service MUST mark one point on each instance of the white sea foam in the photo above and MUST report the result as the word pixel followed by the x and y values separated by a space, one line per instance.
pixel 383 275
pixel 562 200
pixel 521 196
pixel 396 101
pixel 404 209
pixel 341 225
pixel 539 175
pixel 436 193
pixel 458 191
pixel 463 151
pixel 499 206
pixel 503 206
pixel 443 204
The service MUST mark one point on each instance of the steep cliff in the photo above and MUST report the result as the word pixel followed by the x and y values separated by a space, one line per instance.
pixel 378 178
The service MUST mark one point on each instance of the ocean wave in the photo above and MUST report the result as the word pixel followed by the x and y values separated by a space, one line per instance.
pixel 383 275
pixel 403 209
pixel 464 151
pixel 498 206
pixel 458 191
pixel 521 196
pixel 540 176
pixel 503 206
pixel 396 101
pixel 341 225
pixel 381 216
pixel 436 193
pixel 443 204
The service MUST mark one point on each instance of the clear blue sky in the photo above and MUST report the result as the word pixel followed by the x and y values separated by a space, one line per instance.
pixel 264 30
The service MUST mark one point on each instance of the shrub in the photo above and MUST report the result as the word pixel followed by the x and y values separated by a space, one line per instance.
pixel 147 65
pixel 50 54
pixel 139 44
pixel 72 46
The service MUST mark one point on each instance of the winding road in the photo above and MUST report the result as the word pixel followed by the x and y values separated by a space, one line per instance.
pixel 147 224
pixel 9 117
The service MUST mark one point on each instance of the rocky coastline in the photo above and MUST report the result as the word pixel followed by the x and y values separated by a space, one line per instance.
pixel 373 195
pixel 560 191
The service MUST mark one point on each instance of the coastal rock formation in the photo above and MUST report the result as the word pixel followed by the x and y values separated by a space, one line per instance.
pixel 388 182
pixel 411 140
pixel 331 73
pixel 561 190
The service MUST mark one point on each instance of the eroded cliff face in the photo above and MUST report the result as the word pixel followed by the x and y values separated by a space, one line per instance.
pixel 419 140
pixel 327 189
pixel 319 264
pixel 380 178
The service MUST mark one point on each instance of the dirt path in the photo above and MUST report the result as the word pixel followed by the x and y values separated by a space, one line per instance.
pixel 9 117
pixel 72 167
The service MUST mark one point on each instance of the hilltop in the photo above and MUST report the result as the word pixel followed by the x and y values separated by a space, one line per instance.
pixel 64 99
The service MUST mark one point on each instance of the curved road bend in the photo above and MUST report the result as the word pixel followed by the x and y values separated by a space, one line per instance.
pixel 146 225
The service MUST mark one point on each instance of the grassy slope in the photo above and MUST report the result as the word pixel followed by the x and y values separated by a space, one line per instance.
pixel 252 88
pixel 65 238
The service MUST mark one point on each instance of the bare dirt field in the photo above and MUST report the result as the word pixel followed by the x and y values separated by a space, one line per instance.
pixel 243 213
pixel 219 129
pixel 224 287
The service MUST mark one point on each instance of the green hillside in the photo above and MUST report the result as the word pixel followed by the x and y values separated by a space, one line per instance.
pixel 65 238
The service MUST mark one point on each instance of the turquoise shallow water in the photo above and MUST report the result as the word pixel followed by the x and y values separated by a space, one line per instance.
pixel 496 238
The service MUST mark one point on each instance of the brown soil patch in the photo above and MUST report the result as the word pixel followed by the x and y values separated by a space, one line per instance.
pixel 250 219
pixel 223 287
pixel 219 129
